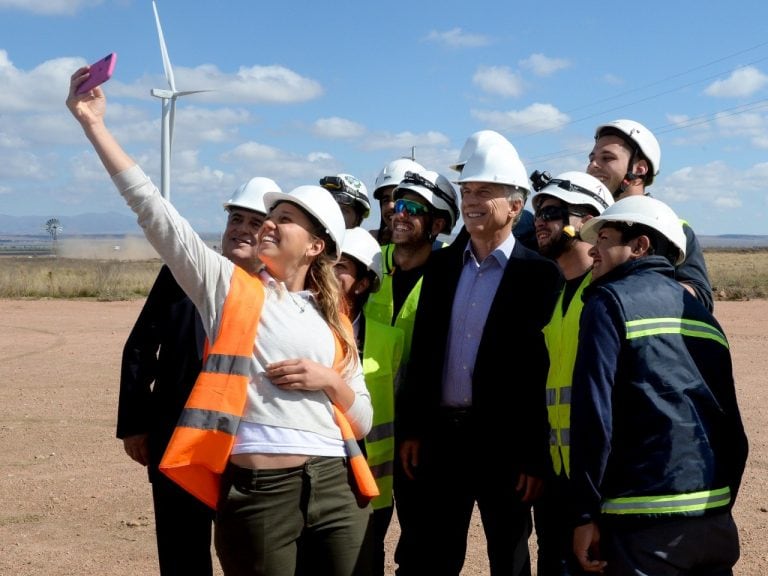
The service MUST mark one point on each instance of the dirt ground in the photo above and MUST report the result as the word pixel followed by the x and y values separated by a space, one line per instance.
pixel 73 503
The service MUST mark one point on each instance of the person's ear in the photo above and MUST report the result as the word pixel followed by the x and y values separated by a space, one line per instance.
pixel 640 246
pixel 362 286
pixel 437 226
pixel 316 247
pixel 641 168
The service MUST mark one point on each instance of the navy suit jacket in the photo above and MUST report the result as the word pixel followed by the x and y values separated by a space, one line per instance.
pixel 162 358
pixel 509 376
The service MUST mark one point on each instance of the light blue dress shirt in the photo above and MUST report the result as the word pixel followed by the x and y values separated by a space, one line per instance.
pixel 474 295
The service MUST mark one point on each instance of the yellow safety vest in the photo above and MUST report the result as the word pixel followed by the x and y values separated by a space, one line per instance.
pixel 382 353
pixel 380 305
pixel 561 335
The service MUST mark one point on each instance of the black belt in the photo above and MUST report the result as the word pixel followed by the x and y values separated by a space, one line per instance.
pixel 455 417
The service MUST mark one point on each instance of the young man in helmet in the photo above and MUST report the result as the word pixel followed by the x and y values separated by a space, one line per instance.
pixel 657 443
pixel 425 206
pixel 475 431
pixel 386 182
pixel 381 349
pixel 351 195
pixel 162 358
pixel 562 206
pixel 626 157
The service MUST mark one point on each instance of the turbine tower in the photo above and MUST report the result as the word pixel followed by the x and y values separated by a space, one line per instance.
pixel 169 110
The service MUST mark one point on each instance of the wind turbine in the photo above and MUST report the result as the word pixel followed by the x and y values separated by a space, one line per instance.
pixel 169 111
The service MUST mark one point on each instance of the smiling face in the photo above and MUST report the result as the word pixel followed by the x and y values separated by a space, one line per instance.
pixel 608 251
pixel 410 228
pixel 609 161
pixel 551 240
pixel 239 242
pixel 287 240
pixel 486 209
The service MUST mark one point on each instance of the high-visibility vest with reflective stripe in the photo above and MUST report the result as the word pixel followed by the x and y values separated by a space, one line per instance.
pixel 203 439
pixel 380 307
pixel 382 352
pixel 678 504
pixel 561 335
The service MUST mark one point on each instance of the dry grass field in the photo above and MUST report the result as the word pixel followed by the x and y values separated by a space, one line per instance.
pixel 74 504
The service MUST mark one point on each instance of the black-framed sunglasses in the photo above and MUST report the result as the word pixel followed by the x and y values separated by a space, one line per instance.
pixel 551 213
pixel 411 207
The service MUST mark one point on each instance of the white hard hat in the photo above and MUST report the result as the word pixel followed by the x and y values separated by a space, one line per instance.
pixel 251 194
pixel 436 189
pixel 637 135
pixel 476 140
pixel 320 205
pixel 360 245
pixel 346 189
pixel 575 188
pixel 393 172
pixel 641 210
pixel 497 162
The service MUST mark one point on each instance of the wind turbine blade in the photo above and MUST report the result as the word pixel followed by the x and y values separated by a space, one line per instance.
pixel 164 51
pixel 188 92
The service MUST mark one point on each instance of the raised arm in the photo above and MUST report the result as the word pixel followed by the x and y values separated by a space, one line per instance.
pixel 88 109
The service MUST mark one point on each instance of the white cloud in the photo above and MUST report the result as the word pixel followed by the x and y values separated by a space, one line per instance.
pixel 741 83
pixel 457 38
pixel 542 65
pixel 48 7
pixel 249 85
pixel 42 88
pixel 498 80
pixel 283 166
pixel 405 140
pixel 535 118
pixel 336 128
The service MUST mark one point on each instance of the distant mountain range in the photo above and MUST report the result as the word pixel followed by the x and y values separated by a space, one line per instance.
pixel 117 224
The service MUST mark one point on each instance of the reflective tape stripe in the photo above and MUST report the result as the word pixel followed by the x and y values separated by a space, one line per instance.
pixel 565 437
pixel 228 364
pixel 693 328
pixel 381 432
pixel 353 448
pixel 383 469
pixel 209 420
pixel 565 396
pixel 671 504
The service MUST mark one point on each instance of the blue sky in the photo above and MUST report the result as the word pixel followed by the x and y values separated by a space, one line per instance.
pixel 306 89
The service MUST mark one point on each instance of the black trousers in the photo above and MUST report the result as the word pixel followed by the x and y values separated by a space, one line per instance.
pixel 453 476
pixel 183 526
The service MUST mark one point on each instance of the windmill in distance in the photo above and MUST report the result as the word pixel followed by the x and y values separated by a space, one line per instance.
pixel 169 111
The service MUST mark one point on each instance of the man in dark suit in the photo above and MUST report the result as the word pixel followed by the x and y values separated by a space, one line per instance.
pixel 162 358
pixel 474 417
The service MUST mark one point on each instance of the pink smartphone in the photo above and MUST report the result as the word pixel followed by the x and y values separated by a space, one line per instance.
pixel 100 71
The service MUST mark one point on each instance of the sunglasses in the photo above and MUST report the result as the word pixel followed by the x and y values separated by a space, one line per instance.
pixel 413 208
pixel 551 213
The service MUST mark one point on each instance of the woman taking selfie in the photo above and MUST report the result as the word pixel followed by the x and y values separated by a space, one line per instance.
pixel 280 478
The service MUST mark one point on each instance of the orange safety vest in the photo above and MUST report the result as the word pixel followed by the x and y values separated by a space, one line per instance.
pixel 201 444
